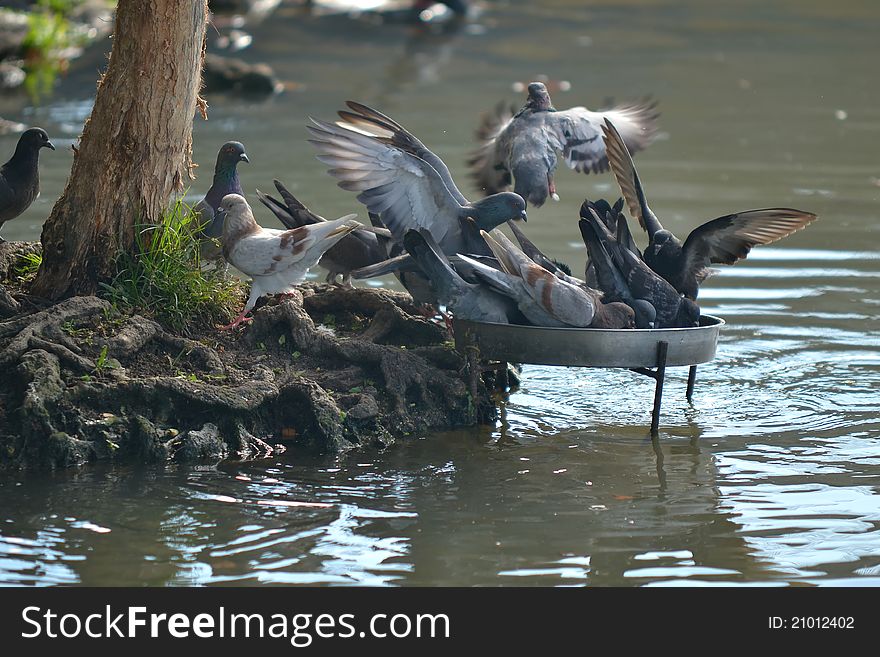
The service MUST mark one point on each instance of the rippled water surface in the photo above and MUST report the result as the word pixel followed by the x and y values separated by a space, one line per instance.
pixel 769 477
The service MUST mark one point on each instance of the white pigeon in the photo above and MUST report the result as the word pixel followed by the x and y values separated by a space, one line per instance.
pixel 276 260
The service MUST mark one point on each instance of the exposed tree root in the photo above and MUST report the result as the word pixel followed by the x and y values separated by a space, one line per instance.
pixel 329 368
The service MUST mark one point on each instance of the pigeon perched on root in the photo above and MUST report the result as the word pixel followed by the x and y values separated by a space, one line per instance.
pixel 225 182
pixel 522 148
pixel 276 260
pixel 20 176
pixel 725 240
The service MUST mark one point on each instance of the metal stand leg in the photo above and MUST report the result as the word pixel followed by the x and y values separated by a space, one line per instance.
pixel 658 389
pixel 692 377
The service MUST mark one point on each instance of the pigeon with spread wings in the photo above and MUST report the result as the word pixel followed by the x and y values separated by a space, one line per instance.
pixel 405 189
pixel 725 240
pixel 522 148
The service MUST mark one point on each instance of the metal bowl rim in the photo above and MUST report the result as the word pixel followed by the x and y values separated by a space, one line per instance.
pixel 717 323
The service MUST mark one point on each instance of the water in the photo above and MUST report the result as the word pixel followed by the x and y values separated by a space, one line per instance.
pixel 770 477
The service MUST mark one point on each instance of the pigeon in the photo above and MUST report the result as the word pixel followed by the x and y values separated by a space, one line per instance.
pixel 225 182
pixel 358 249
pixel 550 300
pixel 20 176
pixel 522 147
pixel 277 260
pixel 724 240
pixel 474 302
pixel 405 189
pixel 560 269
pixel 601 268
pixel 672 310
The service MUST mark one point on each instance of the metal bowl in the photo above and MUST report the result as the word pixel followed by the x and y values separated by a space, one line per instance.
pixel 590 347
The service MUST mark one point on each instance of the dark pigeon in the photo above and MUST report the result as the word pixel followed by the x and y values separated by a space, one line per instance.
pixel 359 248
pixel 474 302
pixel 20 176
pixel 523 148
pixel 725 240
pixel 672 309
pixel 601 268
pixel 225 182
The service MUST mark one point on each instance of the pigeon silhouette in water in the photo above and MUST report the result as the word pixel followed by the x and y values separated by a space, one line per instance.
pixel 20 176
pixel 522 148
pixel 225 182
pixel 475 302
pixel 601 268
pixel 672 309
pixel 405 189
pixel 276 260
pixel 724 240
pixel 359 248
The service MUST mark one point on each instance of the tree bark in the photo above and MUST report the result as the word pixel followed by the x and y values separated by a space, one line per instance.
pixel 135 149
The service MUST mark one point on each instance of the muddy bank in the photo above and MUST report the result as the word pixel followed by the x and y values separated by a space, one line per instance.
pixel 329 369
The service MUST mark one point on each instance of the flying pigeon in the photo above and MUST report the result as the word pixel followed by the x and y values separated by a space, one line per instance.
pixel 225 182
pixel 522 148
pixel 358 249
pixel 672 309
pixel 724 240
pixel 20 176
pixel 277 260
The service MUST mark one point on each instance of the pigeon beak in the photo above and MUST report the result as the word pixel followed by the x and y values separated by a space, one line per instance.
pixel 49 144
pixel 523 216
pixel 244 158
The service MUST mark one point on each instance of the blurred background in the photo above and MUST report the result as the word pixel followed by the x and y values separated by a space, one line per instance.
pixel 770 477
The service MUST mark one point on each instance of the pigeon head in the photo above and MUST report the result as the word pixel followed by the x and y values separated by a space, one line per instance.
pixel 32 140
pixel 615 315
pixel 646 314
pixel 230 154
pixel 237 217
pixel 539 98
pixel 494 210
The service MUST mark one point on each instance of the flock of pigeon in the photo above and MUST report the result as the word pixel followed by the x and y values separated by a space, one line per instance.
pixel 447 250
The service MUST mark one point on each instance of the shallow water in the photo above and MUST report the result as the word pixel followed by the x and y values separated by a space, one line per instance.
pixel 769 477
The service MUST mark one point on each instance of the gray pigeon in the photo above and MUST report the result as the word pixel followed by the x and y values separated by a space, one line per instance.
pixel 404 189
pixel 277 260
pixel 550 300
pixel 360 248
pixel 20 176
pixel 225 182
pixel 672 309
pixel 474 302
pixel 523 147
pixel 725 240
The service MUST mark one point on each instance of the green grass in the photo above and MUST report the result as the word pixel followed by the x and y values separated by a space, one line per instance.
pixel 27 265
pixel 164 278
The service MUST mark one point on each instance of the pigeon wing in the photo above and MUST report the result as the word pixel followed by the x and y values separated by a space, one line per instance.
pixel 727 239
pixel 405 190
pixel 577 133
pixel 488 163
pixel 628 179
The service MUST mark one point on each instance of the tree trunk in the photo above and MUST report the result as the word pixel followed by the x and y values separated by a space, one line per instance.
pixel 135 149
